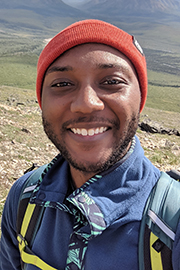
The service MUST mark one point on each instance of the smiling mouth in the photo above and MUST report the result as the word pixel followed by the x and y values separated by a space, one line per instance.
pixel 89 132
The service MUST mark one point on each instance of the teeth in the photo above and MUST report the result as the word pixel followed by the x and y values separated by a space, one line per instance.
pixel 89 132
pixel 78 131
pixel 101 130
pixel 84 132
pixel 96 131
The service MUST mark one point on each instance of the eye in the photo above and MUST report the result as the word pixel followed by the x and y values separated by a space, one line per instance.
pixel 110 82
pixel 113 82
pixel 61 84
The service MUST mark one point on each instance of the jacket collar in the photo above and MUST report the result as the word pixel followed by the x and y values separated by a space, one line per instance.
pixel 117 194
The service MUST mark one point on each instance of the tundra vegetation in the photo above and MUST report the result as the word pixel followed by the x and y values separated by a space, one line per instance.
pixel 22 140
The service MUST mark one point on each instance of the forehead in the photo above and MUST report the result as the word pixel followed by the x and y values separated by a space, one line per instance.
pixel 95 53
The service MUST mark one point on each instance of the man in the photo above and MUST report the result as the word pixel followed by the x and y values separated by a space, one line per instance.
pixel 91 87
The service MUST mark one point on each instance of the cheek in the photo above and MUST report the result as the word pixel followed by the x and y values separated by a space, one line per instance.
pixel 125 105
pixel 45 100
pixel 52 107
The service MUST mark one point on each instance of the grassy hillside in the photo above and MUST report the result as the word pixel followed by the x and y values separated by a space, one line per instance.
pixel 22 140
pixel 19 55
pixel 20 71
pixel 164 91
pixel 18 60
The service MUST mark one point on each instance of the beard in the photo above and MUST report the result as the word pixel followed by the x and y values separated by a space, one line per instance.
pixel 119 148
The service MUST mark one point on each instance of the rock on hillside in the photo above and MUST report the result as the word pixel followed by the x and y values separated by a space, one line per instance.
pixel 154 127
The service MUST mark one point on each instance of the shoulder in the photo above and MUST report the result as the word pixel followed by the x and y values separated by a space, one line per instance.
pixel 17 187
pixel 9 255
pixel 12 201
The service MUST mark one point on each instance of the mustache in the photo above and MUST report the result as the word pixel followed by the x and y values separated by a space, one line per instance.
pixel 86 119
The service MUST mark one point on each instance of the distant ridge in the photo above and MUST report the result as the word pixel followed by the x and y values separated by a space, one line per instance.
pixel 134 7
pixel 155 23
pixel 37 17
pixel 42 7
pixel 49 14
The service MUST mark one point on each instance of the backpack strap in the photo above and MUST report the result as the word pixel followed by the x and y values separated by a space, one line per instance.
pixel 27 256
pixel 174 174
pixel 25 195
pixel 28 222
pixel 158 226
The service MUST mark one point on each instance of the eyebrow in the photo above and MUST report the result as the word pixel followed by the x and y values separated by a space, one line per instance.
pixel 58 69
pixel 67 68
pixel 107 66
pixel 122 68
pixel 99 66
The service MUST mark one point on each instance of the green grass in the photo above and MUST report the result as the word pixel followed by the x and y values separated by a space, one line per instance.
pixel 163 79
pixel 18 60
pixel 18 43
pixel 18 71
pixel 163 98
pixel 163 91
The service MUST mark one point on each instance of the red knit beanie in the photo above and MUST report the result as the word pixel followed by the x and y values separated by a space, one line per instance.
pixel 97 32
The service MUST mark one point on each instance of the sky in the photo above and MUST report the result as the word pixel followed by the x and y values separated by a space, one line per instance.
pixel 74 2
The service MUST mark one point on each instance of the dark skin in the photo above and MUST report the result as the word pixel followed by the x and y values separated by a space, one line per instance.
pixel 90 108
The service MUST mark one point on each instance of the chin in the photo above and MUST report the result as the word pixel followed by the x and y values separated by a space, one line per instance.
pixel 86 166
pixel 98 160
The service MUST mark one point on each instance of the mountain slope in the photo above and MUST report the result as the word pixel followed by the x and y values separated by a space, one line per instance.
pixel 134 7
pixel 54 15
pixel 41 6
pixel 155 23
pixel 38 16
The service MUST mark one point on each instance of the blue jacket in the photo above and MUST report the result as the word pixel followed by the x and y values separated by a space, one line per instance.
pixel 97 223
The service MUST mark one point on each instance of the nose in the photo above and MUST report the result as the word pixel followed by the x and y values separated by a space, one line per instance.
pixel 86 101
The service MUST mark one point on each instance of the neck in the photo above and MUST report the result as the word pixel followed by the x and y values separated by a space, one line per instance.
pixel 79 177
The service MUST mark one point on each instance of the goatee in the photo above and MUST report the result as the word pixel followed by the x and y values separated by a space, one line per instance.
pixel 120 146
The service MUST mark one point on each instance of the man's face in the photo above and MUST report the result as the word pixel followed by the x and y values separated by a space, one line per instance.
pixel 90 106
